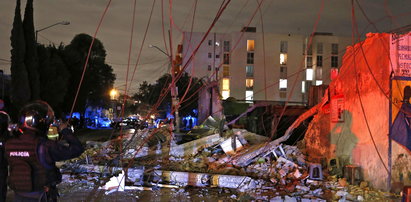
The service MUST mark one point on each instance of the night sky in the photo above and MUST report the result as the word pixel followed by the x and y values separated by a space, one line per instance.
pixel 291 16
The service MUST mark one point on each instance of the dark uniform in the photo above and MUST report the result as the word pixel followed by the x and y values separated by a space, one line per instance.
pixel 31 156
pixel 4 135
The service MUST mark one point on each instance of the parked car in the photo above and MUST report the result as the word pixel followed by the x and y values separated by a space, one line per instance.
pixel 126 123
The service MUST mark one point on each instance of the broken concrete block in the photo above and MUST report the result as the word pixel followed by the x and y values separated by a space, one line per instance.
pixel 115 183
pixel 276 199
pixel 242 183
pixel 297 173
pixel 231 145
pixel 136 175
pixel 192 147
pixel 302 188
pixel 290 199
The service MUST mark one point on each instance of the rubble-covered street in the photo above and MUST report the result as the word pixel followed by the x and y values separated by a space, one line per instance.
pixel 206 168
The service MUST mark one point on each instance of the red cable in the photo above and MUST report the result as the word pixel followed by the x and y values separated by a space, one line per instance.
pixel 162 26
pixel 88 56
pixel 142 45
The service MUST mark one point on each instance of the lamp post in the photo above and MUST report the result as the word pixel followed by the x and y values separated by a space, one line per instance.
pixel 58 23
pixel 174 97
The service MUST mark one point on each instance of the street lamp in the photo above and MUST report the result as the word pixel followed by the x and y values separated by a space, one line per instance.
pixel 113 94
pixel 58 23
pixel 174 96
pixel 113 98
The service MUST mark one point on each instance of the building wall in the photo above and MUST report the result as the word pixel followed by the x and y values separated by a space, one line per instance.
pixel 327 41
pixel 350 140
pixel 267 73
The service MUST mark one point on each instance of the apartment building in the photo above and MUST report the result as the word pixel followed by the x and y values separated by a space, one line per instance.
pixel 252 66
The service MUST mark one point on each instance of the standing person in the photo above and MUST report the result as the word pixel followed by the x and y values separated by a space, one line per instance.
pixel 33 174
pixel 4 135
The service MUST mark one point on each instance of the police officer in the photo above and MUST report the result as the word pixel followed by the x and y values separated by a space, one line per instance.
pixel 4 135
pixel 33 175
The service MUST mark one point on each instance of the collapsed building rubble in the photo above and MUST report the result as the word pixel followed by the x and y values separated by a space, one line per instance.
pixel 213 160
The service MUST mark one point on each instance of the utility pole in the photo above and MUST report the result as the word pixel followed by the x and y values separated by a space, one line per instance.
pixel 174 93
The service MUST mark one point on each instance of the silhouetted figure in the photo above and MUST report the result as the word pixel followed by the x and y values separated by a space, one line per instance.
pixel 31 156
pixel 4 135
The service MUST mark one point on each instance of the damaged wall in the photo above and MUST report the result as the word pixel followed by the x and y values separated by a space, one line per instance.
pixel 345 136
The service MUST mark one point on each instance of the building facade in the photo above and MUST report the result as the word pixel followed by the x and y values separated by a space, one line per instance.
pixel 251 66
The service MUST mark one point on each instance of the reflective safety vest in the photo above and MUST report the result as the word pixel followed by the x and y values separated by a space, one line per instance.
pixel 27 174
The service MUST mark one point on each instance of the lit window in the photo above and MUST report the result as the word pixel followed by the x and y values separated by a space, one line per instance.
pixel 283 84
pixel 283 58
pixel 226 71
pixel 226 84
pixel 249 95
pixel 225 94
pixel 249 83
pixel 249 70
pixel 303 87
pixel 250 45
pixel 318 82
pixel 309 74
pixel 217 43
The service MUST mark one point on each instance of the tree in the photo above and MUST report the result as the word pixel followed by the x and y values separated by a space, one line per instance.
pixel 21 92
pixel 54 75
pixel 98 78
pixel 149 94
pixel 30 59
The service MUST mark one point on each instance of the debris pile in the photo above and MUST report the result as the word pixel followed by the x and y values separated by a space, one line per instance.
pixel 214 157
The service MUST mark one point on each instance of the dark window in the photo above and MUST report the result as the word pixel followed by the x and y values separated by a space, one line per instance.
pixel 226 46
pixel 209 68
pixel 217 56
pixel 319 48
pixel 283 47
pixel 283 72
pixel 250 58
pixel 309 61
pixel 249 70
pixel 319 60
pixel 334 61
pixel 226 58
pixel 209 55
pixel 210 42
pixel 334 49
pixel 310 50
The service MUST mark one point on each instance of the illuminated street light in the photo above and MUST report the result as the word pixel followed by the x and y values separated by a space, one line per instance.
pixel 113 94
pixel 58 23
